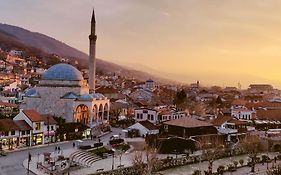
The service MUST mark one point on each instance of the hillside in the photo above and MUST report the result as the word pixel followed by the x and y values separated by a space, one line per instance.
pixel 13 36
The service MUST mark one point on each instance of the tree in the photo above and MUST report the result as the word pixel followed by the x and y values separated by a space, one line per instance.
pixel 180 98
pixel 213 147
pixel 151 161
pixel 252 145
pixel 274 170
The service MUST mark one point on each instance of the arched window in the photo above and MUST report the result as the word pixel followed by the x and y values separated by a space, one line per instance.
pixel 82 114
pixel 105 112
pixel 95 113
pixel 100 112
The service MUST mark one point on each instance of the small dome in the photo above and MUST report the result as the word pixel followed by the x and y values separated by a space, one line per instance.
pixel 32 93
pixel 62 72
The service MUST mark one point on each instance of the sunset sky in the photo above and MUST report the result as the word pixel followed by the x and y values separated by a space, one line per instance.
pixel 214 41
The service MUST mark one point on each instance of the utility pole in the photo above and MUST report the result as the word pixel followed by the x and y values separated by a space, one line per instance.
pixel 48 128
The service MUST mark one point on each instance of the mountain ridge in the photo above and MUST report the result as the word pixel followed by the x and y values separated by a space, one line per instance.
pixel 50 45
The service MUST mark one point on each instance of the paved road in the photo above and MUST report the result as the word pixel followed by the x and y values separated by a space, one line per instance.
pixel 12 163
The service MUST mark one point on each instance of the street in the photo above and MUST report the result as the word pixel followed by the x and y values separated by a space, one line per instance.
pixel 12 163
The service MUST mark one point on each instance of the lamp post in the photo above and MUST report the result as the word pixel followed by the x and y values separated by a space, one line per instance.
pixel 113 159
pixel 48 128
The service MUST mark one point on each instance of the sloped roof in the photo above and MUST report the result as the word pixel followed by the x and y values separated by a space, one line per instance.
pixel 33 115
pixel 239 102
pixel 269 114
pixel 106 90
pixel 8 125
pixel 188 122
pixel 69 95
pixel 222 119
pixel 23 126
pixel 147 124
pixel 48 119
pixel 8 104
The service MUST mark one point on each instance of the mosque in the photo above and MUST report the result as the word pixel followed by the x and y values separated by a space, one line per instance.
pixel 62 91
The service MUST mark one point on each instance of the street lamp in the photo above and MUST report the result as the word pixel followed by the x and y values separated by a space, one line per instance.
pixel 113 150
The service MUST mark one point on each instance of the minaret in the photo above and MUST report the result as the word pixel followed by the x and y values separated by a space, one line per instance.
pixel 92 55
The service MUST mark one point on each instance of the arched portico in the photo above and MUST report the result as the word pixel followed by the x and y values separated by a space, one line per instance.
pixel 82 114
pixel 100 114
pixel 105 112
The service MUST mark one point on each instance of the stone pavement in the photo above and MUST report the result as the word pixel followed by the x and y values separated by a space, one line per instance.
pixel 40 158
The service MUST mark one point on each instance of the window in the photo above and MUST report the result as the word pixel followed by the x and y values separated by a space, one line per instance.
pixel 23 133
pixel 37 126
pixel 27 132
pixel 13 133
pixel 151 117
pixel 52 128
pixel 7 133
pixel 140 116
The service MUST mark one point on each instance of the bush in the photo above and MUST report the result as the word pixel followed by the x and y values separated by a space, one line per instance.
pixel 122 147
pixel 220 169
pixel 196 172
pixel 279 157
pixel 231 167
pixel 96 145
pixel 241 161
pixel 116 141
pixel 235 163
pixel 265 158
pixel 85 147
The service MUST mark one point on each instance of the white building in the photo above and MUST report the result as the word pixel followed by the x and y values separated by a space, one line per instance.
pixel 243 114
pixel 145 127
pixel 158 115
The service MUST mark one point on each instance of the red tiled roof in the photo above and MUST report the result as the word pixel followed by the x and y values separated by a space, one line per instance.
pixel 8 104
pixel 239 102
pixel 188 122
pixel 264 105
pixel 107 90
pixel 8 125
pixel 220 120
pixel 33 115
pixel 51 119
pixel 269 114
pixel 23 126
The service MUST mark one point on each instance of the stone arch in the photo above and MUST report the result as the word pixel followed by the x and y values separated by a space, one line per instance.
pixel 82 114
pixel 95 113
pixel 100 113
pixel 105 111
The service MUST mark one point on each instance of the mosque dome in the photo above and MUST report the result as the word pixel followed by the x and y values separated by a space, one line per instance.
pixel 62 72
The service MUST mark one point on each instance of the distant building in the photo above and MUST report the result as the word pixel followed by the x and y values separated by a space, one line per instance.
pixel 260 88
pixel 149 84
pixel 145 127
pixel 27 128
pixel 187 127
pixel 243 114
pixel 158 115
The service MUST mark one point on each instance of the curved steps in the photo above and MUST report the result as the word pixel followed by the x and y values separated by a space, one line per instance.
pixel 84 158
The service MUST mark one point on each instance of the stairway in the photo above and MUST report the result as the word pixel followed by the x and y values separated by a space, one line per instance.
pixel 84 158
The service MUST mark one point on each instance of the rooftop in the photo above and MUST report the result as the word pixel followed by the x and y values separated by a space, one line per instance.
pixel 188 122
pixel 63 72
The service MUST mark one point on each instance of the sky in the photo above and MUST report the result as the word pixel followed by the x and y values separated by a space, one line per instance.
pixel 216 42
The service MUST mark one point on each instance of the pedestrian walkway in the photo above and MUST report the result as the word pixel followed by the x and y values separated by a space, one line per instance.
pixel 189 169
